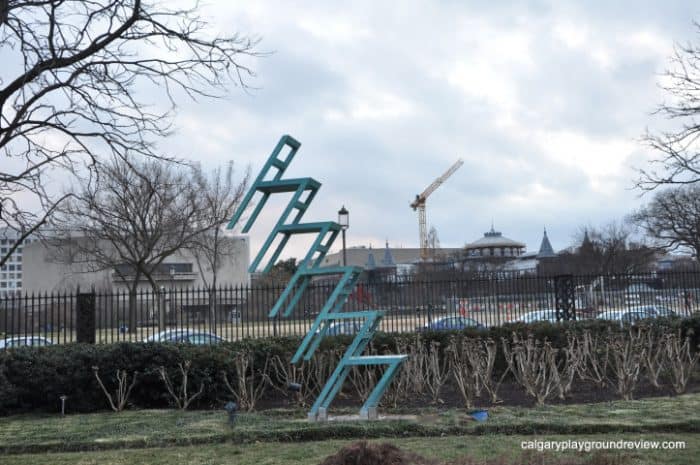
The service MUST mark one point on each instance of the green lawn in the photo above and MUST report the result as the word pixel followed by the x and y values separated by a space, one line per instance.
pixel 285 437
pixel 158 428
pixel 441 448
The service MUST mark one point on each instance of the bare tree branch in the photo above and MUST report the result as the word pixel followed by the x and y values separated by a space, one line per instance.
pixel 75 83
pixel 678 160
pixel 130 220
pixel 672 218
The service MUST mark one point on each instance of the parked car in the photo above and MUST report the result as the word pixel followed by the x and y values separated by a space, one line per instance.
pixel 655 310
pixel 451 323
pixel 538 315
pixel 23 341
pixel 343 327
pixel 625 316
pixel 185 336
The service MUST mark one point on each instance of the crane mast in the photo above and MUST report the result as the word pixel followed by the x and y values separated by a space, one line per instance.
pixel 419 204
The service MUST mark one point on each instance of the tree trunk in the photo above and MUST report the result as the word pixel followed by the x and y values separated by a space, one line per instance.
pixel 132 303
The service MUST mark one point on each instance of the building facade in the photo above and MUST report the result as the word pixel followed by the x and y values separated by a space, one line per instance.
pixel 12 272
pixel 494 244
pixel 386 257
pixel 43 272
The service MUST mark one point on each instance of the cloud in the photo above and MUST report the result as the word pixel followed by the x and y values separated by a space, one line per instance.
pixel 544 100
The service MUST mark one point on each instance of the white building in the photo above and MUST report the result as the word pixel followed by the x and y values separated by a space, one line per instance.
pixel 528 262
pixel 44 273
pixel 11 273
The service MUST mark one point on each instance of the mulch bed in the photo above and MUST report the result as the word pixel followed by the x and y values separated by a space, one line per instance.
pixel 511 394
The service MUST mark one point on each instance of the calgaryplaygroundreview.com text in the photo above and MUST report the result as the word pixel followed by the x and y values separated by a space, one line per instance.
pixel 588 446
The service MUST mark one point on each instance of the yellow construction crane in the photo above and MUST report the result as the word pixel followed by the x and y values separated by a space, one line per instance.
pixel 419 204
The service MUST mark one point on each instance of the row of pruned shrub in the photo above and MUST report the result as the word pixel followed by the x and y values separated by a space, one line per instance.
pixel 545 360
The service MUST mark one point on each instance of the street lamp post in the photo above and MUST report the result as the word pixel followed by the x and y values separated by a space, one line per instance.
pixel 344 222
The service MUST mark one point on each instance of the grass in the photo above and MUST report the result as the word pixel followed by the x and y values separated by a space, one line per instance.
pixel 442 448
pixel 159 428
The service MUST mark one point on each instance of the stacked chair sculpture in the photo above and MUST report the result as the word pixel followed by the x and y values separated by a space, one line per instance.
pixel 303 190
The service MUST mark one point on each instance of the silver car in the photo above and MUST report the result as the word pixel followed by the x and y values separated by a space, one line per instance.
pixel 25 341
pixel 538 315
pixel 185 336
pixel 655 310
pixel 624 316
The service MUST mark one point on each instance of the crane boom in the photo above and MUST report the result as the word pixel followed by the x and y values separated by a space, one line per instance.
pixel 435 184
pixel 419 204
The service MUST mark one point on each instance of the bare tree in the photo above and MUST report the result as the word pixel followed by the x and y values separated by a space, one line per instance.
pixel 433 238
pixel 678 161
pixel 618 251
pixel 612 248
pixel 219 195
pixel 279 275
pixel 673 218
pixel 129 220
pixel 75 83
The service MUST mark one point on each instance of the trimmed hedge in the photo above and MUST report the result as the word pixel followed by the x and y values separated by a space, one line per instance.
pixel 33 379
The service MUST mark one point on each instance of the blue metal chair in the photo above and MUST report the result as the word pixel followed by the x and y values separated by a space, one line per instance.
pixel 269 181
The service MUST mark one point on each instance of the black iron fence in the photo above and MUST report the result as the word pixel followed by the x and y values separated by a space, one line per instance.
pixel 409 303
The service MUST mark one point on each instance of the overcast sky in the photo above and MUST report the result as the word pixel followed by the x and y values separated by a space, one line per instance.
pixel 544 100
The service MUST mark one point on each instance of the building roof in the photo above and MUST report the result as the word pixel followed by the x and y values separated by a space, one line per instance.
pixel 546 250
pixel 388 259
pixel 371 264
pixel 494 238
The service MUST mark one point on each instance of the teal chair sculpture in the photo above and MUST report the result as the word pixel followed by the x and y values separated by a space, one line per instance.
pixel 303 190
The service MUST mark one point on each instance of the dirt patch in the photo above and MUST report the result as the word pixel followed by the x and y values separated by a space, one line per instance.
pixel 364 453
pixel 542 459
pixel 511 394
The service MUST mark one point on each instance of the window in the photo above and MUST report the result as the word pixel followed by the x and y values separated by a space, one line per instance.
pixel 3 284
pixel 163 268
pixel 207 339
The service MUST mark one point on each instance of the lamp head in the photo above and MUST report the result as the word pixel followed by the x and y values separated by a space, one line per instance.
pixel 344 217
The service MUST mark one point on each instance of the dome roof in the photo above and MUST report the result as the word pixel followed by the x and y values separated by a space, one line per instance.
pixel 494 238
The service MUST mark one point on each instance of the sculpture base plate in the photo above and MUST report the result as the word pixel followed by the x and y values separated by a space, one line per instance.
pixel 357 417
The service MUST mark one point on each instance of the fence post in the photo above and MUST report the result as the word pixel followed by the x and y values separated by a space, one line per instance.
pixel 85 324
pixel 565 297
